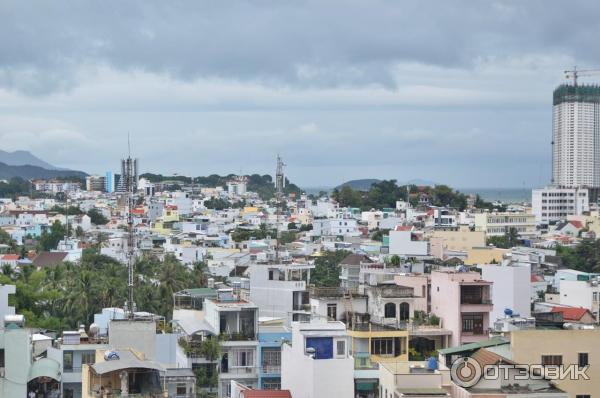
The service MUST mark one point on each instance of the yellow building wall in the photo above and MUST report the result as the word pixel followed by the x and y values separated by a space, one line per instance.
pixel 380 334
pixel 528 346
pixel 484 255
pixel 461 240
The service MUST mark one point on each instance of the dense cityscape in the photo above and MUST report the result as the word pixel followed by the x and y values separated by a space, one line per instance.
pixel 120 277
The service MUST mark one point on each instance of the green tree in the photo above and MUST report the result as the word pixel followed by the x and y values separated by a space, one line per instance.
pixel 327 268
pixel 49 240
pixel 96 217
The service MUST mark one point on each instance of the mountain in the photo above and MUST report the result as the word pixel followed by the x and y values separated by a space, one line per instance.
pixel 23 158
pixel 29 172
pixel 359 185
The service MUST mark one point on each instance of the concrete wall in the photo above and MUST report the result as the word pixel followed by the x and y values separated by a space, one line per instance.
pixel 528 346
pixel 512 288
pixel 137 335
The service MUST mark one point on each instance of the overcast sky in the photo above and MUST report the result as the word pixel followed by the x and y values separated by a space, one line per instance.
pixel 450 91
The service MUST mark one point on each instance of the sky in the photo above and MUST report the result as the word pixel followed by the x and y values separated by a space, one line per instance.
pixel 456 92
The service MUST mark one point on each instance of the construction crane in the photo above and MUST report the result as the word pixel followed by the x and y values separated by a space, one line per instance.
pixel 576 73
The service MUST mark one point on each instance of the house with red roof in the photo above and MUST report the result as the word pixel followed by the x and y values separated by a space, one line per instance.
pixel 9 259
pixel 575 314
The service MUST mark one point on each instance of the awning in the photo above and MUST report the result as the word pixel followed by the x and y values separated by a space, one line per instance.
pixel 127 360
pixel 366 385
pixel 44 368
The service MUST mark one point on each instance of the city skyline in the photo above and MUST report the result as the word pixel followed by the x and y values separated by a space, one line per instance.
pixel 398 91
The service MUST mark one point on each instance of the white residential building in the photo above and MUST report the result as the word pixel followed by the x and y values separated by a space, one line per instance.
pixel 279 290
pixel 340 226
pixel 555 203
pixel 584 294
pixel 404 241
pixel 317 364
pixel 512 289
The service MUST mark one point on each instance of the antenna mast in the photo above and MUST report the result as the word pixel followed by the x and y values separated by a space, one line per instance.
pixel 279 185
pixel 129 185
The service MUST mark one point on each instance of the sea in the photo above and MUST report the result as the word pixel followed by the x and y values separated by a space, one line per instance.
pixel 504 195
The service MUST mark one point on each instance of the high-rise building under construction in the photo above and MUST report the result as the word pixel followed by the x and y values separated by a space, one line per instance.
pixel 576 136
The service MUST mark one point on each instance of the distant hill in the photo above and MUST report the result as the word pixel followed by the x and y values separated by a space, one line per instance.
pixel 29 172
pixel 23 158
pixel 359 185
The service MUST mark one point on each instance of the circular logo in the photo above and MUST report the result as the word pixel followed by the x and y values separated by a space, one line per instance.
pixel 465 372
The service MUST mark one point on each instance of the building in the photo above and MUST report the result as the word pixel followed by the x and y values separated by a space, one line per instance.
pixel 350 269
pixel 553 204
pixel 55 186
pixel 500 224
pixel 111 181
pixel 339 226
pixel 414 378
pixel 576 136
pixel 235 321
pixel 461 240
pixel 270 340
pixel 561 347
pixel 405 241
pixel 19 372
pixel 279 290
pixel 95 183
pixel 129 175
pixel 584 294
pixel 318 364
pixel 512 289
pixel 237 186
pixel 463 301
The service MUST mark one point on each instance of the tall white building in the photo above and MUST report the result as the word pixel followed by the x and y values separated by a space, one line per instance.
pixel 576 136
pixel 556 203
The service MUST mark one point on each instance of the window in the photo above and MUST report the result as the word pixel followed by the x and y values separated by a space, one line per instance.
pixel 67 361
pixel 340 348
pixel 551 360
pixel 181 389
pixel 389 310
pixel 332 311
pixel 382 346
pixel 404 312
pixel 583 359
pixel 583 396
pixel 2 358
pixel 271 357
pixel 88 357
pixel 472 323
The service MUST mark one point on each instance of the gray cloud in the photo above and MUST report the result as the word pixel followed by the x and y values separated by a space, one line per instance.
pixel 343 89
pixel 308 43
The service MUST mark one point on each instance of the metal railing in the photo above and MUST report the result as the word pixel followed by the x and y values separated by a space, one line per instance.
pixel 272 369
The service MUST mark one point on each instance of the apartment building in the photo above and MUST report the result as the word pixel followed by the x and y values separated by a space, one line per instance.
pixel 280 290
pixel 408 242
pixel 338 226
pixel 512 289
pixel 270 339
pixel 584 294
pixel 318 363
pixel 499 224
pixel 562 347
pixel 463 301
pixel 235 321
pixel 553 203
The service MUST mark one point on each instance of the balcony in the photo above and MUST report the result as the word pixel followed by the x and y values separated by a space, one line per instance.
pixel 332 291
pixel 270 369
pixel 473 337
pixel 240 371
pixel 480 305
